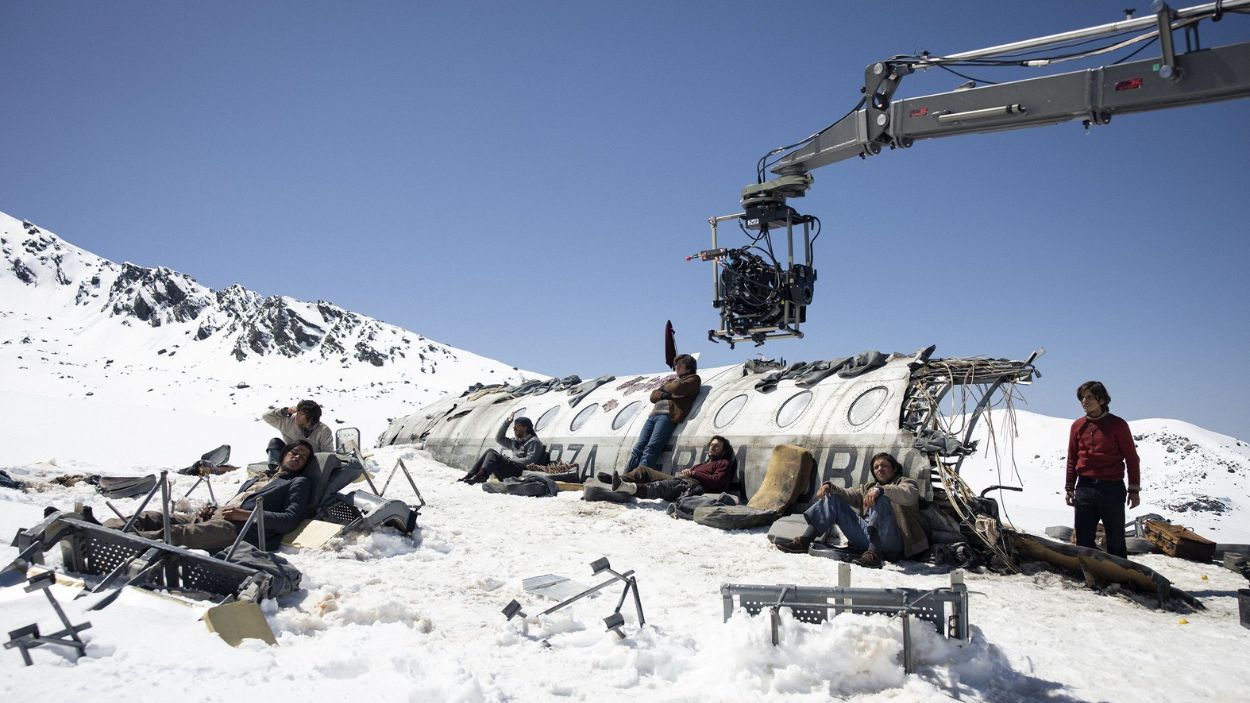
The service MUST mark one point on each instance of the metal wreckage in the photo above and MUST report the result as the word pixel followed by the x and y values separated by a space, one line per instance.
pixel 236 579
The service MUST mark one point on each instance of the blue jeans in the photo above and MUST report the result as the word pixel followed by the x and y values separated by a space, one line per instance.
pixel 650 445
pixel 877 531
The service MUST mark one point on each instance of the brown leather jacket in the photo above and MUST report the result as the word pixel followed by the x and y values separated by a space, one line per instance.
pixel 684 390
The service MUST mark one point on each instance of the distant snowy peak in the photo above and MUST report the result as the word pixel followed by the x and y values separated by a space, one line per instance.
pixel 243 321
pixel 35 257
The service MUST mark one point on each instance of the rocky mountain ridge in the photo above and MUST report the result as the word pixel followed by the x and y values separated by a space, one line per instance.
pixel 241 321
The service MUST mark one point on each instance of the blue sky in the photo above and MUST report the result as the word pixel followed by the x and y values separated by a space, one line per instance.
pixel 523 180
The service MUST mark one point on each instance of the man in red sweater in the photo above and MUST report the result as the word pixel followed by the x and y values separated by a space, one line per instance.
pixel 1100 448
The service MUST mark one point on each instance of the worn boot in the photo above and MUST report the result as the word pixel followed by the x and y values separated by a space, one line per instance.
pixel 623 486
pixel 604 477
pixel 88 515
pixel 869 560
pixel 798 545
pixel 274 452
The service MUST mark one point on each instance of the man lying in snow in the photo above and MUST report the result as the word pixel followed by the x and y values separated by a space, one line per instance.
pixel 526 449
pixel 287 495
pixel 712 476
pixel 881 519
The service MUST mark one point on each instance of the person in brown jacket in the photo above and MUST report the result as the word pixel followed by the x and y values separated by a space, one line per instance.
pixel 672 402
pixel 881 518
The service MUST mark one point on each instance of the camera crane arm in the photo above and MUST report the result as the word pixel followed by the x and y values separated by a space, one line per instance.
pixel 760 298
pixel 1093 95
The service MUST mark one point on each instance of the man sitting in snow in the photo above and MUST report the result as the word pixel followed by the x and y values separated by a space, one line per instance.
pixel 286 494
pixel 526 449
pixel 712 476
pixel 299 422
pixel 881 519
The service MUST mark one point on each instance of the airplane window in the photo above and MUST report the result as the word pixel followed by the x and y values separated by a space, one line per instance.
pixel 793 408
pixel 580 418
pixel 866 405
pixel 729 410
pixel 626 414
pixel 546 418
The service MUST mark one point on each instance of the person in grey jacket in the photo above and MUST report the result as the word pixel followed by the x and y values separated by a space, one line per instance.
pixel 300 422
pixel 526 449
pixel 287 496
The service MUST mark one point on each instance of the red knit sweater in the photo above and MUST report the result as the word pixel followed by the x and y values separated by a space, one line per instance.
pixel 715 475
pixel 1101 449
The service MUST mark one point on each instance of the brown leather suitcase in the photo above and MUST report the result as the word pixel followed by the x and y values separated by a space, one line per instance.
pixel 1178 541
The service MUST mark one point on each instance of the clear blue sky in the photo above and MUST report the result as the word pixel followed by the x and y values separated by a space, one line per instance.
pixel 523 179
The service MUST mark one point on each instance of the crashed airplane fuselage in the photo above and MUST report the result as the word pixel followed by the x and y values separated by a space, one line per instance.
pixel 843 411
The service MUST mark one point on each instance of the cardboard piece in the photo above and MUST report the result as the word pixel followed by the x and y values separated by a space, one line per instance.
pixel 311 534
pixel 237 621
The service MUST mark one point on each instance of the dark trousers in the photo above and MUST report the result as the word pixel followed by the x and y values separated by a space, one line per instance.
pixel 657 484
pixel 1100 501
pixel 492 463
pixel 645 474
pixel 669 489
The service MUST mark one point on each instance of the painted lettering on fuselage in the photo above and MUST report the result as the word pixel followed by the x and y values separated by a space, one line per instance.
pixel 844 466
pixel 569 454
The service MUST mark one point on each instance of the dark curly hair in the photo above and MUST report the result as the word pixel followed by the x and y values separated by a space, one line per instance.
pixel 1096 389
pixel 293 445
pixel 686 359
pixel 310 409
pixel 898 467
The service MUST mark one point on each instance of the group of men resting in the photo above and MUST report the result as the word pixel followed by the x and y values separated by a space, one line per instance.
pixel 285 491
pixel 881 519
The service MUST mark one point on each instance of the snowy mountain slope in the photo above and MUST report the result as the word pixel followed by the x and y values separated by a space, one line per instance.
pixel 128 341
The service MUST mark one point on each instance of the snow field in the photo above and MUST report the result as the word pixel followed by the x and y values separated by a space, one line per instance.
pixel 413 619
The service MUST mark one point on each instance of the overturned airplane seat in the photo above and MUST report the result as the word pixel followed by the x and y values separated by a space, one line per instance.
pixel 789 472
pixel 364 510
pixel 129 559
pixel 355 510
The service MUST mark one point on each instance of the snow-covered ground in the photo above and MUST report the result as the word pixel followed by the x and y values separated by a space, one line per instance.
pixel 416 619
